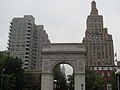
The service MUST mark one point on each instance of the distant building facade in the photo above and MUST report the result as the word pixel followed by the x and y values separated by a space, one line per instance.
pixel 98 43
pixel 25 41
pixel 63 70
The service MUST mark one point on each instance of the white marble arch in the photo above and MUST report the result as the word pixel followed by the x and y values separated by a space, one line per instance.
pixel 56 53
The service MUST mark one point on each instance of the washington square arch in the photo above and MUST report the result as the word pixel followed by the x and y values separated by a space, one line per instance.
pixel 56 53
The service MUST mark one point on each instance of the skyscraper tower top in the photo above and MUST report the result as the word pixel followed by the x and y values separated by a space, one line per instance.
pixel 94 10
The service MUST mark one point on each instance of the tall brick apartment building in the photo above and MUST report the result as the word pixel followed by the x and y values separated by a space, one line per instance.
pixel 25 41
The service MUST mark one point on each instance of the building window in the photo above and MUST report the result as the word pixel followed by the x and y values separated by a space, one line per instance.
pixel 27 41
pixel 105 68
pixel 29 27
pixel 18 45
pixel 27 45
pixel 98 55
pixel 25 67
pixel 29 30
pixel 26 61
pixel 22 45
pixel 27 48
pixel 100 68
pixel 95 68
pixel 26 64
pixel 29 23
pixel 108 74
pixel 27 53
pixel 103 74
pixel 28 37
pixel 26 56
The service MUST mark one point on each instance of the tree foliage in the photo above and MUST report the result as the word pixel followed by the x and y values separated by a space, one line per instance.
pixel 114 81
pixel 99 82
pixel 13 76
pixel 93 82
pixel 89 79
pixel 71 82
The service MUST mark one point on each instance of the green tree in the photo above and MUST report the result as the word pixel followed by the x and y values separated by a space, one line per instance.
pixel 93 82
pixel 28 80
pixel 13 75
pixel 114 81
pixel 71 82
pixel 89 79
pixel 99 82
pixel 9 81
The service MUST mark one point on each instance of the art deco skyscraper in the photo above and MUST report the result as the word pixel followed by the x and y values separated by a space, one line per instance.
pixel 98 42
pixel 25 41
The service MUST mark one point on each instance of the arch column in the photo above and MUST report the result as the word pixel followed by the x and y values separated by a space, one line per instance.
pixel 47 76
pixel 47 81
pixel 80 74
pixel 79 81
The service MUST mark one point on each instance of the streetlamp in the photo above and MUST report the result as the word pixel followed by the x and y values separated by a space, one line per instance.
pixel 117 74
pixel 81 86
pixel 55 84
pixel 2 77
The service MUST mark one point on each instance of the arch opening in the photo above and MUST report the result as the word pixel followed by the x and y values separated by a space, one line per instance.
pixel 63 76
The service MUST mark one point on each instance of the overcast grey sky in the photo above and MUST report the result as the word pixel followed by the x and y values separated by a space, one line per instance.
pixel 64 20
